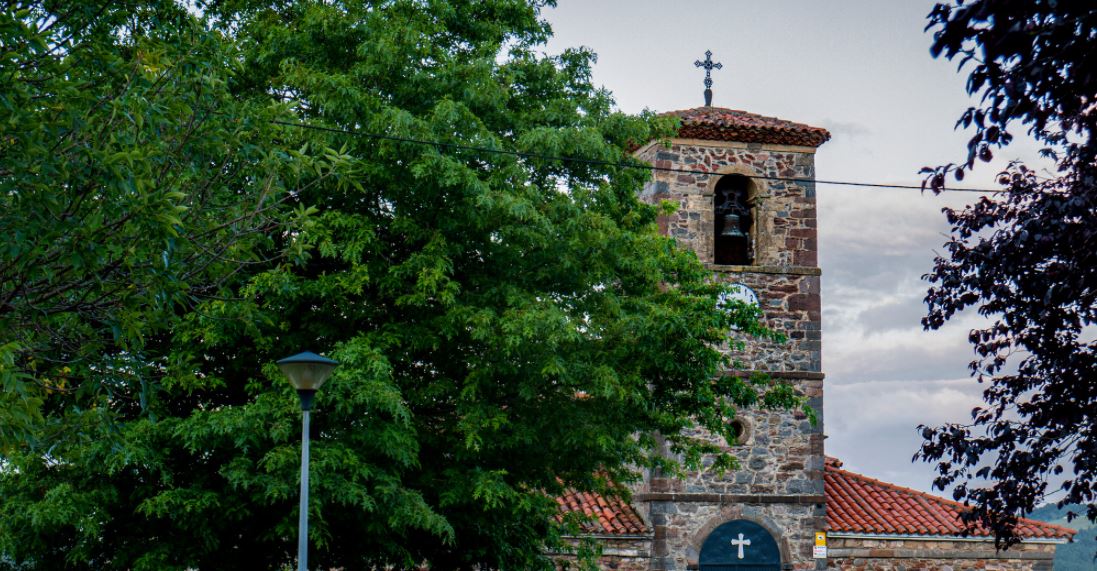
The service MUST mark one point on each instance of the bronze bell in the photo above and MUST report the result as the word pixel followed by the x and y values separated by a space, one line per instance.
pixel 731 227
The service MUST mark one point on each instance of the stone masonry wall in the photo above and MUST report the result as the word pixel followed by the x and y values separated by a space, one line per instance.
pixel 881 554
pixel 618 554
pixel 779 484
pixel 781 453
pixel 784 211
pixel 790 305
pixel 784 274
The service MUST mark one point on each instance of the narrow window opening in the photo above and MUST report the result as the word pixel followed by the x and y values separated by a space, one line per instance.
pixel 734 222
pixel 742 432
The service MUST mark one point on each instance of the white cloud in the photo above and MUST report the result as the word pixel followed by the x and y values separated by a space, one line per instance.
pixel 872 425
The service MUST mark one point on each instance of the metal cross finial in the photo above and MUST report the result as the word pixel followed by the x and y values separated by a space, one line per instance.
pixel 708 66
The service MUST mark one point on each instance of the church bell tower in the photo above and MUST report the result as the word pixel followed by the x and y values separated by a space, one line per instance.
pixel 746 206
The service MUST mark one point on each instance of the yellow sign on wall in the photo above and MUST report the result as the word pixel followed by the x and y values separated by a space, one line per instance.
pixel 820 539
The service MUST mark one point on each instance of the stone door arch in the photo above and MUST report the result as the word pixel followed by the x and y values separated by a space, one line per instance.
pixel 740 545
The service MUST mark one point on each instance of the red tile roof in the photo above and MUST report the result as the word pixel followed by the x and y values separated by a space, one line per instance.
pixel 607 516
pixel 720 124
pixel 859 504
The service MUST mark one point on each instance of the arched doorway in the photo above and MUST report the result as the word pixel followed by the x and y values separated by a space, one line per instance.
pixel 740 545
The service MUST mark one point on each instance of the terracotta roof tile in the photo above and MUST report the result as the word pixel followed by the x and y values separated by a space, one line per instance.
pixel 609 516
pixel 859 504
pixel 721 124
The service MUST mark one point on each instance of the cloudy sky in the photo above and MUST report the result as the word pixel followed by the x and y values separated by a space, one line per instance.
pixel 862 69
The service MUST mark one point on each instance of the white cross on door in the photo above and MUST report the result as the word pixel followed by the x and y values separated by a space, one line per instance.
pixel 740 543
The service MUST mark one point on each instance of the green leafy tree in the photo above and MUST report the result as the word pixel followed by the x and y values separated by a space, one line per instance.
pixel 133 187
pixel 508 325
pixel 124 193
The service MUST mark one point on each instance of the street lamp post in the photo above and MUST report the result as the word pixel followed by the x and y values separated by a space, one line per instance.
pixel 306 372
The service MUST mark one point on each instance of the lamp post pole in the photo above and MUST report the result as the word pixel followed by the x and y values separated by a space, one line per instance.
pixel 306 372
pixel 303 516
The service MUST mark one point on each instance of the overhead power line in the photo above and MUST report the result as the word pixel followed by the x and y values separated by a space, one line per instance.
pixel 529 155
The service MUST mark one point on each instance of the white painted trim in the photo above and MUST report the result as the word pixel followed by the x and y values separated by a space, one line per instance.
pixel 608 536
pixel 843 535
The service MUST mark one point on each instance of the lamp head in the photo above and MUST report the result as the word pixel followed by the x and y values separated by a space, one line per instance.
pixel 307 371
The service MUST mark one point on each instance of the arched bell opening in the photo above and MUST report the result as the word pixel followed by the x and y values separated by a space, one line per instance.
pixel 740 545
pixel 733 242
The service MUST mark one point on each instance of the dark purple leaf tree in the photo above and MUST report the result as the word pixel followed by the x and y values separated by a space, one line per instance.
pixel 1026 258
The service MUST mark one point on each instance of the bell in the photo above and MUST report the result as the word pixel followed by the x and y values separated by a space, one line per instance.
pixel 731 227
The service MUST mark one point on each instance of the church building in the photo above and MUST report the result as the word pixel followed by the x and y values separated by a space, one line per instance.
pixel 744 186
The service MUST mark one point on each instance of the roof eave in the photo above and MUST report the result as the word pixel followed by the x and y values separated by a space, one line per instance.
pixel 919 537
pixel 648 535
pixel 754 135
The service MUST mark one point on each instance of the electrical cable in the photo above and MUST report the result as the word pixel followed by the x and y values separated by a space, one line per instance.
pixel 598 162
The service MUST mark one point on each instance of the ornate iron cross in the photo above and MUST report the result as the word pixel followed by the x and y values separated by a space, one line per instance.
pixel 708 66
